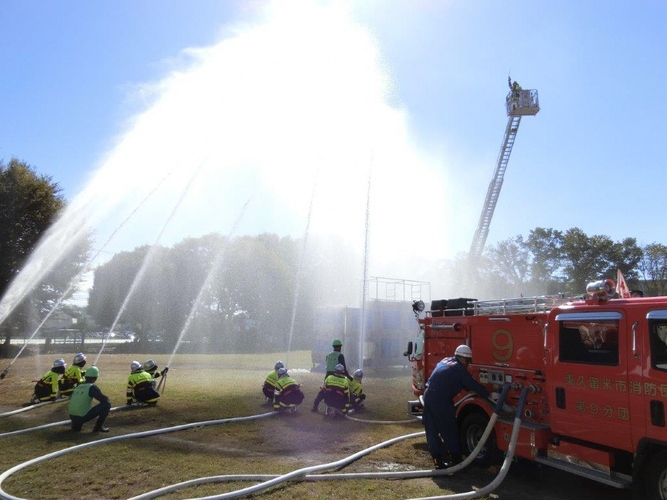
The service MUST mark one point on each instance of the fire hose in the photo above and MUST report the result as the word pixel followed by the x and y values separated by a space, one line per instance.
pixel 304 474
pixel 62 422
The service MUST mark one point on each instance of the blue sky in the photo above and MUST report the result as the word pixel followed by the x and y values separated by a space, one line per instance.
pixel 86 82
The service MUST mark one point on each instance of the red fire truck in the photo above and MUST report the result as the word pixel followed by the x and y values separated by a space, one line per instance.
pixel 596 367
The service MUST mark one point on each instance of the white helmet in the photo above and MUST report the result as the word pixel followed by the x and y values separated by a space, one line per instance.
pixel 59 362
pixel 279 365
pixel 358 374
pixel 150 365
pixel 79 357
pixel 282 371
pixel 463 351
pixel 135 365
pixel 339 368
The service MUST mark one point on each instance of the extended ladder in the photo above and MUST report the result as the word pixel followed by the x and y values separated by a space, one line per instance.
pixel 519 103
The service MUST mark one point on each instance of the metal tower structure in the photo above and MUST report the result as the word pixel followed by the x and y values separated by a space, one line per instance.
pixel 519 103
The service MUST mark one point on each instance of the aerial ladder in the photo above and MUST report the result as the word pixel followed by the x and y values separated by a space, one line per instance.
pixel 519 103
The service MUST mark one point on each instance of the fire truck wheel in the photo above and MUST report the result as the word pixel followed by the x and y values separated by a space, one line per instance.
pixel 656 477
pixel 472 428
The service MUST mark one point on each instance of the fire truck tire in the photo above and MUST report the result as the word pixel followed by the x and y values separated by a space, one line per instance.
pixel 656 477
pixel 472 428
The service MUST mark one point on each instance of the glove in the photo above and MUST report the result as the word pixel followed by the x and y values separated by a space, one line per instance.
pixel 494 396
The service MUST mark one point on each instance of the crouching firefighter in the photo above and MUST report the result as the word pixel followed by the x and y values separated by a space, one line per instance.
pixel 287 393
pixel 140 386
pixel 73 376
pixel 336 391
pixel 80 410
pixel 46 388
pixel 271 380
pixel 357 395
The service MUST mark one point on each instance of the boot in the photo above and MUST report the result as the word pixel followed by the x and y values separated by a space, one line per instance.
pixel 314 409
pixel 100 428
pixel 438 463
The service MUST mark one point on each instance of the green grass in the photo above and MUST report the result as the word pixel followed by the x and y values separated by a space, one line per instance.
pixel 209 387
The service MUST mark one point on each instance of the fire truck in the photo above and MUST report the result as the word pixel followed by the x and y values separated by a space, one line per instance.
pixel 596 367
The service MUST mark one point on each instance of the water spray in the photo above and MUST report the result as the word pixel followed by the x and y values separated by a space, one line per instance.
pixel 81 274
pixel 205 286
pixel 297 285
pixel 364 291
pixel 147 260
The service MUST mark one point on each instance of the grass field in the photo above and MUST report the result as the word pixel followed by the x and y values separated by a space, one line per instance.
pixel 201 388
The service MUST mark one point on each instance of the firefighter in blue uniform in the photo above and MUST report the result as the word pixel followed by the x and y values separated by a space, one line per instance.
pixel 449 377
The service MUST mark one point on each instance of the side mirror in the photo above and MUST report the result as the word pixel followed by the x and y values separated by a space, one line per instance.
pixel 409 351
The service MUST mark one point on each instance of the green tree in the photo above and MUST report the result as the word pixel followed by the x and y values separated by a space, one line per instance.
pixel 653 269
pixel 508 266
pixel 238 294
pixel 545 247
pixel 550 262
pixel 29 205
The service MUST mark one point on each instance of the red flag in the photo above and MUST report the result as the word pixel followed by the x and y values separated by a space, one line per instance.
pixel 621 286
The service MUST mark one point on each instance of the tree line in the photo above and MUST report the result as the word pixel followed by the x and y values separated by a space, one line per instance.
pixel 549 262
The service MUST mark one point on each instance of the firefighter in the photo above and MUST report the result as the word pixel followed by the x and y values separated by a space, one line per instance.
pixel 73 376
pixel 357 395
pixel 334 358
pixel 151 368
pixel 140 386
pixel 287 394
pixel 514 87
pixel 80 404
pixel 46 388
pixel 449 377
pixel 271 380
pixel 336 391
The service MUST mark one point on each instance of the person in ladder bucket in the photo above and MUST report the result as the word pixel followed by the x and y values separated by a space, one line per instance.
pixel 270 382
pixel 46 388
pixel 449 377
pixel 287 394
pixel 335 393
pixel 140 386
pixel 80 405
pixel 151 368
pixel 357 395
pixel 73 376
pixel 334 358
